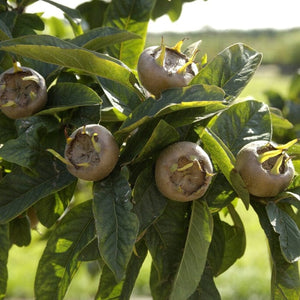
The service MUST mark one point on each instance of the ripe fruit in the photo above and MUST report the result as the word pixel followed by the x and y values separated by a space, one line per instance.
pixel 91 152
pixel 23 92
pixel 160 68
pixel 183 171
pixel 265 167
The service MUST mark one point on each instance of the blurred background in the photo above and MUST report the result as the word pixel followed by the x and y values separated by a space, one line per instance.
pixel 270 27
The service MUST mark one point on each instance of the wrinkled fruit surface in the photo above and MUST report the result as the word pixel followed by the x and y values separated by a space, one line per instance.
pixel 22 92
pixel 174 69
pixel 183 171
pixel 91 152
pixel 264 179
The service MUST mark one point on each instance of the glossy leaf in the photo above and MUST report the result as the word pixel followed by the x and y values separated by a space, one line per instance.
pixel 64 96
pixel 289 233
pixel 231 69
pixel 116 225
pixel 132 16
pixel 20 190
pixel 171 101
pixel 195 252
pixel 59 261
pixel 5 245
pixel 149 203
pixel 55 51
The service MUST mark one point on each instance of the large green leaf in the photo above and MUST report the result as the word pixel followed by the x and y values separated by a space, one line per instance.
pixel 56 51
pixel 165 240
pixel 7 128
pixel 231 69
pixel 242 123
pixel 195 251
pixel 5 34
pixel 175 100
pixel 59 261
pixel 285 284
pixel 63 96
pixel 99 38
pixel 116 224
pixel 20 190
pixel 149 203
pixel 132 16
pixel 5 245
pixel 289 233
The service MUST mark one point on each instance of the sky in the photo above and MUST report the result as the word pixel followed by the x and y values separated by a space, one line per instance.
pixel 215 14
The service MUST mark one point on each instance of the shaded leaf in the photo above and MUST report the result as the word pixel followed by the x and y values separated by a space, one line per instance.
pixel 194 256
pixel 149 203
pixel 20 190
pixel 231 69
pixel 63 96
pixel 5 33
pixel 289 233
pixel 19 231
pixel 7 128
pixel 59 261
pixel 116 225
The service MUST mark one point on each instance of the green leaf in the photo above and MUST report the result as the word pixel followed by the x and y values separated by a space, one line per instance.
pixel 242 123
pixel 231 69
pixel 225 160
pixel 175 100
pixel 20 231
pixel 294 90
pixel 149 203
pixel 55 51
pixel 195 252
pixel 59 261
pixel 165 240
pixel 73 13
pixel 5 33
pixel 64 96
pixel 25 24
pixel 7 129
pixel 289 233
pixel 132 16
pixel 99 38
pixel 5 245
pixel 116 225
pixel 20 190
pixel 285 283
pixel 25 150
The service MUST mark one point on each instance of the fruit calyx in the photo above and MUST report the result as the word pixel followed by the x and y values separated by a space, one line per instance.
pixel 274 158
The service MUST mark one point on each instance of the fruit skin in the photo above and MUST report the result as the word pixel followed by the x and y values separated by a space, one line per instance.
pixel 80 149
pixel 258 180
pixel 156 78
pixel 186 185
pixel 32 105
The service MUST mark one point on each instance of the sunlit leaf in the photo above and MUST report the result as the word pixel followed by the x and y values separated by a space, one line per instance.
pixel 5 245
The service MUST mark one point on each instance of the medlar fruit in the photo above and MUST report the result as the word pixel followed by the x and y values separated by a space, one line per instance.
pixel 23 92
pixel 265 167
pixel 183 171
pixel 160 68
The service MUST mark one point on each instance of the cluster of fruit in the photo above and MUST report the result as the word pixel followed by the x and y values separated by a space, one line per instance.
pixel 183 170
